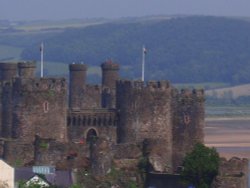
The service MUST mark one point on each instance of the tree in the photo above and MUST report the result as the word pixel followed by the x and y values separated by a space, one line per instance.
pixel 200 166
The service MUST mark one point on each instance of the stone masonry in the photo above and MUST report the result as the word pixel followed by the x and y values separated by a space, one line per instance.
pixel 96 125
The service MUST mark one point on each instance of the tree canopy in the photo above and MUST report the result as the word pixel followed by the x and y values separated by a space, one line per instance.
pixel 200 166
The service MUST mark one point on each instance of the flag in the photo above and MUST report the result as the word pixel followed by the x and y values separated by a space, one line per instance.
pixel 41 47
pixel 145 50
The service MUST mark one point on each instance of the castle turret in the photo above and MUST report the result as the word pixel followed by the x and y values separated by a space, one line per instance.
pixel 77 83
pixel 27 69
pixel 110 74
pixel 145 116
pixel 8 71
pixel 189 115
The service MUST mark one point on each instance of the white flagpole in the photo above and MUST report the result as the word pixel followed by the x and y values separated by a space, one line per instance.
pixel 143 62
pixel 41 50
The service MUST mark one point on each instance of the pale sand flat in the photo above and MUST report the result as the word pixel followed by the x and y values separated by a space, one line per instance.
pixel 231 136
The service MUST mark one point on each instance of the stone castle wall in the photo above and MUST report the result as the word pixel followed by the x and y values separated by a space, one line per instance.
pixel 145 113
pixel 40 108
pixel 102 121
pixel 168 122
pixel 232 173
pixel 7 108
pixel 188 121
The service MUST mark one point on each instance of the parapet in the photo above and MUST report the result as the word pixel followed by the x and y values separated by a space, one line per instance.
pixel 8 66
pixel 27 69
pixel 233 166
pixel 110 65
pixel 78 67
pixel 138 84
pixel 8 70
pixel 190 93
pixel 163 84
pixel 27 64
pixel 41 84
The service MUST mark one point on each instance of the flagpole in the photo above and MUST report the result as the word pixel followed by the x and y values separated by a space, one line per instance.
pixel 42 59
pixel 143 62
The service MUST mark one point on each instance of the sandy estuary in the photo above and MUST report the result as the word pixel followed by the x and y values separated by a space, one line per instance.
pixel 230 136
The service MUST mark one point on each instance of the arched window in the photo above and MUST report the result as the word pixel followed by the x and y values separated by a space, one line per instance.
pixel 91 135
pixel 46 107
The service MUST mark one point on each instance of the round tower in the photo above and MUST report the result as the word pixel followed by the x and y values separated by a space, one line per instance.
pixel 27 69
pixel 8 71
pixel 110 74
pixel 76 84
pixel 144 116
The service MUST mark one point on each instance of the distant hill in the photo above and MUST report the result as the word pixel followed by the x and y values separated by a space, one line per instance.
pixel 181 49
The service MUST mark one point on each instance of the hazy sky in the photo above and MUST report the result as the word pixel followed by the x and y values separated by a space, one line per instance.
pixel 65 9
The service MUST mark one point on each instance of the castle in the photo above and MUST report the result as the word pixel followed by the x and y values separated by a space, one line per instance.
pixel 45 121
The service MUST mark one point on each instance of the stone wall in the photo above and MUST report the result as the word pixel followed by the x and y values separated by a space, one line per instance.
pixel 8 71
pixel 62 155
pixel 39 108
pixel 233 173
pixel 7 108
pixel 77 76
pixel 145 113
pixel 26 69
pixel 102 121
pixel 19 153
pixel 188 121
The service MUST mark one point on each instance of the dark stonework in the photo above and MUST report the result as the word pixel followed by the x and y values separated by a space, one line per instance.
pixel 145 113
pixel 101 156
pixel 77 84
pixel 8 71
pixel 110 74
pixel 188 122
pixel 39 109
pixel 113 125
pixel 26 69
pixel 7 108
pixel 233 173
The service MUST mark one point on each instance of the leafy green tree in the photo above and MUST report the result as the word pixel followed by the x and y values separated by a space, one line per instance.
pixel 200 166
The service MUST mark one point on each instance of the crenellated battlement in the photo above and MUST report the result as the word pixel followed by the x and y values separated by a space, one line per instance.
pixel 8 71
pixel 8 66
pixel 195 93
pixel 41 84
pixel 140 85
pixel 92 117
pixel 78 67
pixel 26 69
pixel 27 64
pixel 110 65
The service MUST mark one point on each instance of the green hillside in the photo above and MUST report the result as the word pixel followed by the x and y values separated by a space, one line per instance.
pixel 181 49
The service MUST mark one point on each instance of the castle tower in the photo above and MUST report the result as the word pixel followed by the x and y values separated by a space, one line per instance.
pixel 144 115
pixel 189 115
pixel 39 108
pixel 8 71
pixel 27 69
pixel 110 74
pixel 77 84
